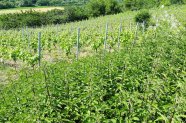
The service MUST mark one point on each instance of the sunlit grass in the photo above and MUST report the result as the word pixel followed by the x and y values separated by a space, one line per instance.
pixel 23 9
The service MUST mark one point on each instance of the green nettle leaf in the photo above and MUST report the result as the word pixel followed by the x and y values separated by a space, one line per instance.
pixel 136 119
pixel 15 55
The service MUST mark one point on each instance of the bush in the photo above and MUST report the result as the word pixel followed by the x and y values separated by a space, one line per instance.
pixel 130 4
pixel 170 2
pixel 134 4
pixel 5 5
pixel 56 16
pixel 143 16
pixel 112 7
pixel 56 2
pixel 96 8
pixel 6 22
pixel 74 14
pixel 31 19
pixel 140 4
pixel 177 1
pixel 43 2
pixel 26 3
pixel 166 2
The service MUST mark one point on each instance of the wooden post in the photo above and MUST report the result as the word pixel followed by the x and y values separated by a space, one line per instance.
pixel 39 48
pixel 78 37
pixel 136 32
pixel 143 26
pixel 28 35
pixel 57 29
pixel 119 34
pixel 106 34
pixel 22 33
pixel 130 27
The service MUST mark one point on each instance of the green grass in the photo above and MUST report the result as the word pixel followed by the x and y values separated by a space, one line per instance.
pixel 6 74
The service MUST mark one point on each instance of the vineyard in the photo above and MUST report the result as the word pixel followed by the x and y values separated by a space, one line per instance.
pixel 60 41
pixel 107 69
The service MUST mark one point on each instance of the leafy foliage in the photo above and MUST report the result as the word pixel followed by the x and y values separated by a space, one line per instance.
pixel 74 14
pixel 143 82
pixel 5 5
pixel 93 8
pixel 143 17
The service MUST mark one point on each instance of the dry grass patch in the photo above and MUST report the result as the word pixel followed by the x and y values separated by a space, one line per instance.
pixel 38 9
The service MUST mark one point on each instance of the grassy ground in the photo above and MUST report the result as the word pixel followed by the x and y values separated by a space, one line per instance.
pixel 5 73
pixel 39 9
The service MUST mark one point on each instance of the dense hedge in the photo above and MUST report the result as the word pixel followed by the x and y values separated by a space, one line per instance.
pixel 75 13
pixel 5 5
pixel 34 19
pixel 29 18
pixel 102 7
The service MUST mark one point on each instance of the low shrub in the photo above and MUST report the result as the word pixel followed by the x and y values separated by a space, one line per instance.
pixel 143 16
pixel 112 7
pixel 31 19
pixel 75 14
pixel 96 8
pixel 43 2
pixel 103 7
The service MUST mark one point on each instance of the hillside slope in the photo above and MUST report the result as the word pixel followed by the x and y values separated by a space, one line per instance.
pixel 144 81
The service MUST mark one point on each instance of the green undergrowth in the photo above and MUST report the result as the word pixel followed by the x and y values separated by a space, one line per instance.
pixel 143 82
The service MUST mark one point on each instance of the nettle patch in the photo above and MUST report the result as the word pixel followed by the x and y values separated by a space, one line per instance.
pixel 143 82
